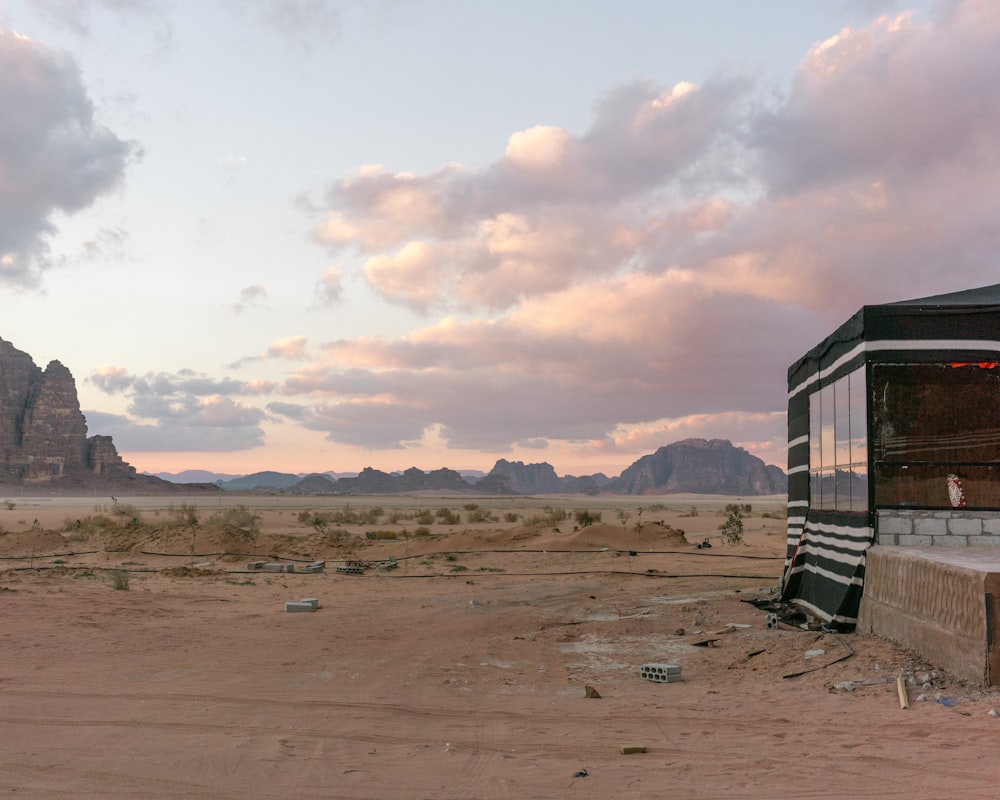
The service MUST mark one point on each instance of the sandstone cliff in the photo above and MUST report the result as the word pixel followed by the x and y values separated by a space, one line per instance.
pixel 701 466
pixel 43 433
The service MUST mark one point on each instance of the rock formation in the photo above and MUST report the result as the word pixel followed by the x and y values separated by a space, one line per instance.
pixel 701 466
pixel 43 433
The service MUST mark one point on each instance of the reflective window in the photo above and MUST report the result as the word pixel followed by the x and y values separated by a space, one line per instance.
pixel 838 445
pixel 936 430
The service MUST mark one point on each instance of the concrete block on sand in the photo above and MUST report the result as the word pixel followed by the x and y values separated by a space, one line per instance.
pixel 274 567
pixel 660 673
pixel 314 602
pixel 293 607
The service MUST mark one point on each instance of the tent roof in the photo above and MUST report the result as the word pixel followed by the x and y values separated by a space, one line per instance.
pixel 983 296
pixel 972 315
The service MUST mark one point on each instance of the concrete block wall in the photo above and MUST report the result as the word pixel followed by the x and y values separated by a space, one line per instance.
pixel 954 528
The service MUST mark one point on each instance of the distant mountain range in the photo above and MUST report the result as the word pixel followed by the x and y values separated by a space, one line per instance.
pixel 698 466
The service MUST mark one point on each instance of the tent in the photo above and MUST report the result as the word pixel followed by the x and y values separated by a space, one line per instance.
pixel 895 412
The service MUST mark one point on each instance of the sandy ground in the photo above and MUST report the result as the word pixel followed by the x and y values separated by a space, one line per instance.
pixel 460 674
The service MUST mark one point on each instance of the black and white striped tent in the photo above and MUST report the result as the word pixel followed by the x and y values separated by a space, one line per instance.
pixel 842 455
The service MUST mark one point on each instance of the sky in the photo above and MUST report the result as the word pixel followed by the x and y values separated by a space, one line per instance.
pixel 322 235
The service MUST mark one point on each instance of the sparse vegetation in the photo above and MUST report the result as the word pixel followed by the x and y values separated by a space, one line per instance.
pixel 510 516
pixel 585 517
pixel 239 517
pixel 184 514
pixel 732 528
pixel 447 517
pixel 550 516
pixel 127 513
pixel 10 505
pixel 478 515
pixel 119 580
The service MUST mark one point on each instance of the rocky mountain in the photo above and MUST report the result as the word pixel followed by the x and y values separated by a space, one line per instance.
pixel 43 433
pixel 698 466
pixel 373 481
pixel 701 466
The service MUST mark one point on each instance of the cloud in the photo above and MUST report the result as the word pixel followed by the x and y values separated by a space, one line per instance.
pixel 175 435
pixel 250 297
pixel 301 22
pixel 54 155
pixel 895 101
pixel 289 347
pixel 655 274
pixel 329 288
pixel 180 411
pixel 76 15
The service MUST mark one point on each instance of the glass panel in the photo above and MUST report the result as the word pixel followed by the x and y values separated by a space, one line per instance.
pixel 829 489
pixel 921 485
pixel 859 421
pixel 842 423
pixel 815 490
pixel 827 448
pixel 859 487
pixel 815 418
pixel 939 413
pixel 842 478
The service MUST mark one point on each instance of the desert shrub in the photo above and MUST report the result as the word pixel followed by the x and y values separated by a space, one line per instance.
pixel 585 517
pixel 744 509
pixel 239 517
pixel 9 505
pixel 127 513
pixel 119 580
pixel 778 514
pixel 393 517
pixel 459 568
pixel 510 516
pixel 471 506
pixel 732 528
pixel 89 524
pixel 478 515
pixel 423 517
pixel 185 513
pixel 334 536
pixel 550 516
pixel 380 534
pixel 691 512
pixel 447 517
pixel 422 531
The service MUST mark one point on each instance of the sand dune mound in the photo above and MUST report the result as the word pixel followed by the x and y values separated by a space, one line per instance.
pixel 653 536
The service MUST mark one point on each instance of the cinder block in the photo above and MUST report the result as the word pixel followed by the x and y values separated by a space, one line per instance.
pixel 314 602
pixel 289 567
pixel 894 525
pixel 272 567
pixel 660 673
pixel 388 565
pixel 991 525
pixel 344 569
pixel 257 565
pixel 292 607
pixel 927 526
pixel 316 566
pixel 963 526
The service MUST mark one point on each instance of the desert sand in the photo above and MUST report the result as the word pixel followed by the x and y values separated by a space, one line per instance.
pixel 462 673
